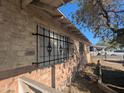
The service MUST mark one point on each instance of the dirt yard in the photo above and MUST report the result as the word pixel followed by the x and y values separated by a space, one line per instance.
pixel 111 61
pixel 82 85
pixel 112 71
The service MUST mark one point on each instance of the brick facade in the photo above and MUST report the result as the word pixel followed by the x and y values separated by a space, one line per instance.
pixel 16 41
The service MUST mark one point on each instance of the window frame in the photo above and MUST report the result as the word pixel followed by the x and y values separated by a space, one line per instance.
pixel 60 40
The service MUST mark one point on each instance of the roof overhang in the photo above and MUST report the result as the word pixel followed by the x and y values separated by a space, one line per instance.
pixel 51 7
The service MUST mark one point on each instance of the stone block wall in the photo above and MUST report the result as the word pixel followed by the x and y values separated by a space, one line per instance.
pixel 18 51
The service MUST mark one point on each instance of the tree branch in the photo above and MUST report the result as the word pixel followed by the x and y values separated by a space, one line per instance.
pixel 115 11
pixel 105 15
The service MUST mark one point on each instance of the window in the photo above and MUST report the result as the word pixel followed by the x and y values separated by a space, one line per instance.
pixel 52 48
pixel 91 48
pixel 81 46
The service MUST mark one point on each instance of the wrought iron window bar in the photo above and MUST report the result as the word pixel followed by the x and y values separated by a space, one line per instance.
pixel 57 47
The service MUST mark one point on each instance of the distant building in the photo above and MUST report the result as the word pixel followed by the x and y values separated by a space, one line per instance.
pixel 98 50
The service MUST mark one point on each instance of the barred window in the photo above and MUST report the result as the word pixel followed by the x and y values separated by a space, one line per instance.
pixel 52 47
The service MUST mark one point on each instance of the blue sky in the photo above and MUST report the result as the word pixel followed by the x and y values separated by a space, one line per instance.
pixel 70 8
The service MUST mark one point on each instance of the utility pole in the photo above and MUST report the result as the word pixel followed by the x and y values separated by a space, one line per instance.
pixel 123 60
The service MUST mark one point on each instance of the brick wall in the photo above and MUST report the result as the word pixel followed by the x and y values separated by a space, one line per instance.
pixel 18 51
pixel 16 28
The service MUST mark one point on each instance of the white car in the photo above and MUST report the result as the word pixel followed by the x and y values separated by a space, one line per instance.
pixel 115 53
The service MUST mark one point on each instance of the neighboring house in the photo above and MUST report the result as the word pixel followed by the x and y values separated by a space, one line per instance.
pixel 37 42
pixel 97 50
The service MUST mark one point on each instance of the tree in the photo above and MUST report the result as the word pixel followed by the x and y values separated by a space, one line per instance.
pixel 104 17
pixel 109 45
